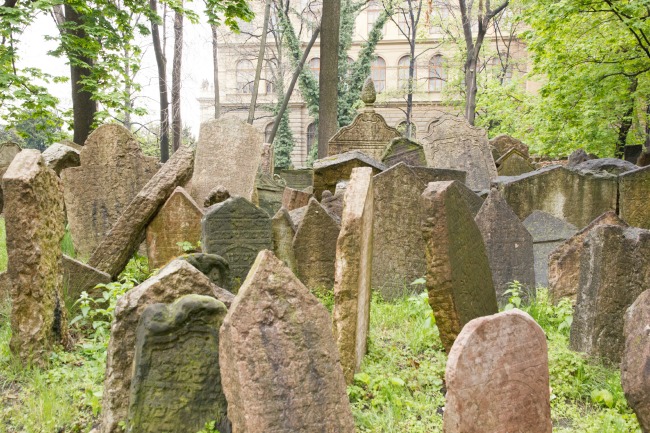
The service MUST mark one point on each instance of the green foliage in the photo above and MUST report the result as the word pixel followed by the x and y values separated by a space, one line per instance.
pixel 67 246
pixel 210 427
pixel 283 143
pixel 189 247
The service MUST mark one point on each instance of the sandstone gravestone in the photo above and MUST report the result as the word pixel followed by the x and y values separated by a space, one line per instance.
pixel 279 363
pixel 60 156
pixel 453 143
pixel 497 377
pixel 35 224
pixel 508 244
pixel 8 152
pixel 314 247
pixel 214 267
pixel 503 143
pixel 458 276
pixel 299 178
pixel 178 221
pixel 615 270
pixel 283 232
pixel 236 230
pixel 112 172
pixel 79 277
pixel 351 314
pixel 428 174
pixel 228 153
pixel 635 374
pixel 333 169
pixel 634 190
pixel 267 160
pixel 548 233
pixel 333 204
pixel 294 198
pixel 565 261
pixel 176 385
pixel 177 279
pixel 513 163
pixel 404 150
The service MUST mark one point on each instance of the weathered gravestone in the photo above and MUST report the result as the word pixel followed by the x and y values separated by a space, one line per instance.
pixel 548 233
pixel 214 267
pixel 615 270
pixel 428 174
pixel 236 230
pixel 176 385
pixel 351 314
pixel 79 277
pixel 8 152
pixel 61 156
pixel 228 153
pixel 634 190
pixel 635 374
pixel 607 165
pixel 217 195
pixel 513 163
pixel 458 276
pixel 283 232
pixel 113 170
pixel 267 159
pixel 333 204
pixel 503 143
pixel 404 150
pixel 497 377
pixel 294 198
pixel 35 225
pixel 314 247
pixel 177 279
pixel 564 261
pixel 453 143
pixel 298 179
pixel 279 363
pixel 177 222
pixel 508 244
pixel 331 170
pixel 270 190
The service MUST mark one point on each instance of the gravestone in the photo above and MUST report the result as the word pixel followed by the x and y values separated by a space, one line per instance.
pixel 508 244
pixel 513 163
pixel 267 160
pixel 283 232
pixel 60 156
pixel 634 190
pixel 35 225
pixel 331 170
pixel 404 150
pixel 297 178
pixel 112 172
pixel 217 195
pixel 177 279
pixel 564 261
pixel 236 230
pixel 579 156
pixel 615 269
pixel 178 221
pixel 632 153
pixel 607 165
pixel 635 374
pixel 8 152
pixel 176 385
pixel 294 198
pixel 503 143
pixel 453 143
pixel 428 174
pixel 458 276
pixel 333 204
pixel 314 247
pixel 279 363
pixel 497 377
pixel 228 153
pixel 79 277
pixel 351 314
pixel 270 190
pixel 214 267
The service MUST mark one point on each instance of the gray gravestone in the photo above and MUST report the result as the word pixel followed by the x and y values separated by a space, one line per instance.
pixel 404 150
pixel 331 170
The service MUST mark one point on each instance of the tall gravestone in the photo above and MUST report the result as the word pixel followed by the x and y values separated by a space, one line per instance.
pixel 508 244
pixel 112 172
pixel 328 172
pixel 497 377
pixel 634 190
pixel 458 275
pixel 236 230
pixel 35 224
pixel 279 363
pixel 351 314
pixel 176 385
pixel 8 152
pixel 228 153
pixel 283 232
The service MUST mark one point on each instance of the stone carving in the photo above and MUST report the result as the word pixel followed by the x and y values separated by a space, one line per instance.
pixel 331 170
pixel 283 233
pixel 60 156
pixel 404 150
pixel 217 195
pixel 294 198
pixel 634 190
pixel 513 163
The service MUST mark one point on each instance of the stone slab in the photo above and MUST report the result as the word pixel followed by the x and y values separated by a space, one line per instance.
pixel 328 172
pixel 634 190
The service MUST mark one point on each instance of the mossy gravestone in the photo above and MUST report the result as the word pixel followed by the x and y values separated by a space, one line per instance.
pixel 176 385
pixel 634 204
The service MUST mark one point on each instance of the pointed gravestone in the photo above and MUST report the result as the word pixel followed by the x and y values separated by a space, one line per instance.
pixel 508 244
pixel 503 143
pixel 351 314
pixel 634 190
pixel 112 172
pixel 8 152
pixel 283 232
pixel 513 163
pixel 328 172
pixel 228 153
pixel 404 150
pixel 236 230
pixel 279 363
pixel 177 222
pixel 176 383
pixel 458 276
pixel 497 377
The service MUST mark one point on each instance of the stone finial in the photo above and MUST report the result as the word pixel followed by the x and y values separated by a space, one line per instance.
pixel 368 93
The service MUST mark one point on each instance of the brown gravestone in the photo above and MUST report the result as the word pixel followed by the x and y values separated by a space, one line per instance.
pixel 634 190
pixel 283 232
pixel 458 276
pixel 351 314
pixel 78 277
pixel 279 363
pixel 60 156
pixel 404 150
pixel 8 152
pixel 294 198
pixel 513 163
pixel 331 170
pixel 497 377
pixel 503 143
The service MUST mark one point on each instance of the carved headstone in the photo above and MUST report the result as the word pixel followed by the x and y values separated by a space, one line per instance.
pixel 331 170
pixel 503 143
pixel 279 363
pixel 294 198
pixel 8 152
pixel 368 133
pixel 428 174
pixel 404 150
pixel 214 267
pixel 497 377
pixel 283 232
pixel 513 163
pixel 634 190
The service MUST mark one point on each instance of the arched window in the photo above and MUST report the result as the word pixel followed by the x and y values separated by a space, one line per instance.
pixel 402 128
pixel 403 72
pixel 245 76
pixel 314 67
pixel 437 74
pixel 267 133
pixel 311 136
pixel 373 11
pixel 378 74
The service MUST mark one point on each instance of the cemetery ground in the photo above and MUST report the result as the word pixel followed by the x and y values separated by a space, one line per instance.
pixel 400 387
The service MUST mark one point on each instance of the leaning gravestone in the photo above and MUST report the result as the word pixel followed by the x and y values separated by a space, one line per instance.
pixel 112 172
pixel 497 377
pixel 453 143
pixel 228 153
pixel 35 225
pixel 458 276
pixel 176 385
pixel 615 270
pixel 8 152
pixel 508 244
pixel 236 230
pixel 279 363
pixel 214 267
pixel 283 232
pixel 634 190
pixel 328 172
pixel 404 150
pixel 513 163
pixel 635 374
pixel 351 314
pixel 78 277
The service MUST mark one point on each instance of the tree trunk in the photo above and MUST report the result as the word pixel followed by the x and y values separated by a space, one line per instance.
pixel 260 63
pixel 162 86
pixel 177 127
pixel 128 104
pixel 329 75
pixel 215 72
pixel 470 87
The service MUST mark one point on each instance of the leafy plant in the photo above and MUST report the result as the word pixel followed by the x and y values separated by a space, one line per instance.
pixel 210 427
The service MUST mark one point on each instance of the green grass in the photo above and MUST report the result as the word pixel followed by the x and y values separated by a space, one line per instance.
pixel 3 245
